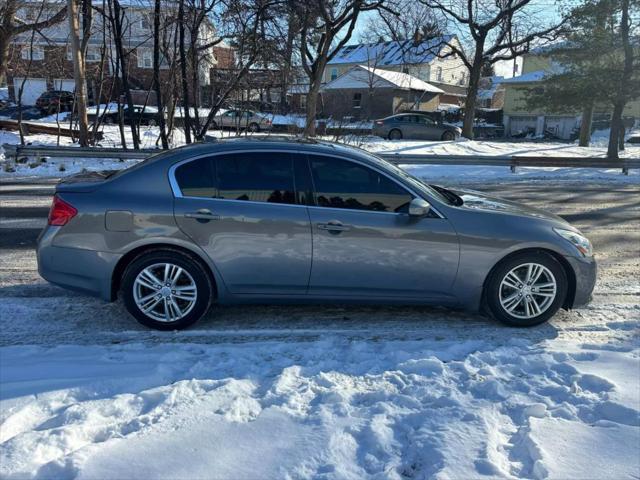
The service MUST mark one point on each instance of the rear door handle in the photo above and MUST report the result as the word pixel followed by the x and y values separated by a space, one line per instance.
pixel 334 227
pixel 203 214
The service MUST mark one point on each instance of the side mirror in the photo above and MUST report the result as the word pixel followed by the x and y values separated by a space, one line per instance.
pixel 419 207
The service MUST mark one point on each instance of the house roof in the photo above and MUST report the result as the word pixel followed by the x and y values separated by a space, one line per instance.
pixel 392 53
pixel 360 76
pixel 529 77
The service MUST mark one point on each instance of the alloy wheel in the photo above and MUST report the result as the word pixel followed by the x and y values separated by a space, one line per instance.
pixel 165 292
pixel 527 290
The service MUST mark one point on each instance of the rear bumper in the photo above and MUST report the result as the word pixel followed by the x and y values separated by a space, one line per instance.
pixel 586 272
pixel 87 271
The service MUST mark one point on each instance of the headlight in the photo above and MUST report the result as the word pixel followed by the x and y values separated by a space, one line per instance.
pixel 581 242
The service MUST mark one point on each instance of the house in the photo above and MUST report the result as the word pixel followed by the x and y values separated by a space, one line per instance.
pixel 364 92
pixel 519 119
pixel 419 57
pixel 490 93
pixel 42 62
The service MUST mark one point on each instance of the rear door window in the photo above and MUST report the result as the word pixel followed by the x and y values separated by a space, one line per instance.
pixel 196 179
pixel 344 184
pixel 256 177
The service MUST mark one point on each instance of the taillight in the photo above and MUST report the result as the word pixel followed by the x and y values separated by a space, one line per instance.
pixel 61 212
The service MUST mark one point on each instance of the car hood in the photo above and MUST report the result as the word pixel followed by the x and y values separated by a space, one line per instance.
pixel 479 201
pixel 450 125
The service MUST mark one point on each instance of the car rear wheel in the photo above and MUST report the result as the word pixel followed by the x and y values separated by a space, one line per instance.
pixel 526 289
pixel 166 290
pixel 395 134
pixel 448 136
pixel 254 127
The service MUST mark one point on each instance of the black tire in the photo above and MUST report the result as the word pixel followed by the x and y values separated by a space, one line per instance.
pixel 448 136
pixel 254 127
pixel 395 134
pixel 204 293
pixel 151 123
pixel 108 120
pixel 493 288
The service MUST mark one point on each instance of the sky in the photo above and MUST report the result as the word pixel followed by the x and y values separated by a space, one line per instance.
pixel 545 10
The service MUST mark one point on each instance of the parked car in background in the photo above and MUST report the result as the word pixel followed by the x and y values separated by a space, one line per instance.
pixel 241 120
pixel 267 219
pixel 414 126
pixel 141 115
pixel 54 101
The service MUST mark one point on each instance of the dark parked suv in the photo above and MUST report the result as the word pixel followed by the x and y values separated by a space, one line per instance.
pixel 242 221
pixel 55 101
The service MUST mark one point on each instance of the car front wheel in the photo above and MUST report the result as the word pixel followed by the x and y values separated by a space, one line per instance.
pixel 526 289
pixel 448 136
pixel 166 290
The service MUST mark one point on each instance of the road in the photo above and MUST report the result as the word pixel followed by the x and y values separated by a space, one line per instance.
pixel 608 214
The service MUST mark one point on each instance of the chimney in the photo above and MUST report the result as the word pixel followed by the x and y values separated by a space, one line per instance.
pixel 417 37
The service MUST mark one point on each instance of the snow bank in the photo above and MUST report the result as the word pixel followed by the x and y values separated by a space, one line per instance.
pixel 330 408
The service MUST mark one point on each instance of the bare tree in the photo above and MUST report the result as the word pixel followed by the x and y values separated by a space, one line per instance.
pixel 11 25
pixel 156 74
pixel 623 87
pixel 322 22
pixel 497 30
pixel 246 25
pixel 79 72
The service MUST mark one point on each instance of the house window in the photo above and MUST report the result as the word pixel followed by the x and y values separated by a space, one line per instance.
pixel 439 74
pixel 35 53
pixel 93 55
pixel 405 69
pixel 303 101
pixel 145 24
pixel 334 73
pixel 357 100
pixel 145 58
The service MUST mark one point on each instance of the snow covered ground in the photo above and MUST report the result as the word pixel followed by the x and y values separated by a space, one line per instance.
pixel 333 392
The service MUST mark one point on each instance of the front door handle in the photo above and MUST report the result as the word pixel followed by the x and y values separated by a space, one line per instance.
pixel 334 227
pixel 203 214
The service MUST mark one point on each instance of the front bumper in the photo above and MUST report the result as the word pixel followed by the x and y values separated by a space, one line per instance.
pixel 585 270
pixel 87 271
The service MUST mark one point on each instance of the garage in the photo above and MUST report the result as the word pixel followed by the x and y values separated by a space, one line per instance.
pixel 64 84
pixel 33 88
pixel 519 124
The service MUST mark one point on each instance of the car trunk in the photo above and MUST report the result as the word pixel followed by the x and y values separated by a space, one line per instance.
pixel 84 182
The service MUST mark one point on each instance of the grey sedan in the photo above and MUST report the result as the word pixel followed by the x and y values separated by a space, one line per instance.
pixel 268 220
pixel 242 120
pixel 414 126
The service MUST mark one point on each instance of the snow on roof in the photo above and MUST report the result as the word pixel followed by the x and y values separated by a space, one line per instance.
pixel 392 53
pixel 360 77
pixel 534 76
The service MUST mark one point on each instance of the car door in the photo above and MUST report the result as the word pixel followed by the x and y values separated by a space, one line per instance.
pixel 242 209
pixel 228 118
pixel 429 130
pixel 364 242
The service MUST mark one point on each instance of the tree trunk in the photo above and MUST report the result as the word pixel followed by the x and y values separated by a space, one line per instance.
pixel 286 67
pixel 4 55
pixel 156 74
pixel 585 125
pixel 78 73
pixel 472 93
pixel 614 132
pixel 186 119
pixel 312 104
pixel 124 75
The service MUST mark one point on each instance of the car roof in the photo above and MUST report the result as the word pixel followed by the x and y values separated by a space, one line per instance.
pixel 264 142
